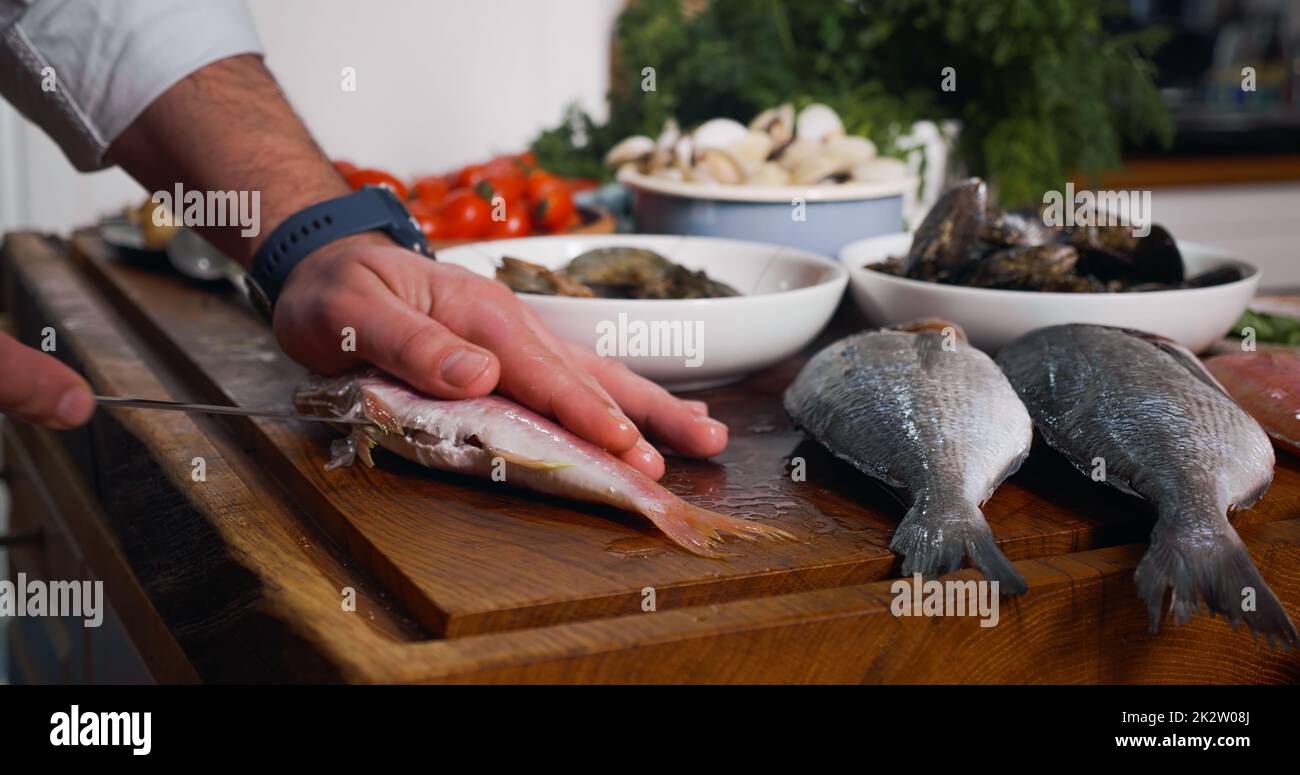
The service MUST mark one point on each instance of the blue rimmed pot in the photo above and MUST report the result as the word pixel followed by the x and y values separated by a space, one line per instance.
pixel 832 215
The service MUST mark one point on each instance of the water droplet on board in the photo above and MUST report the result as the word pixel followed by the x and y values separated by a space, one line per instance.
pixel 636 547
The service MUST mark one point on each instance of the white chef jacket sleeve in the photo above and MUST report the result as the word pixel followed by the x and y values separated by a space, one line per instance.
pixel 85 69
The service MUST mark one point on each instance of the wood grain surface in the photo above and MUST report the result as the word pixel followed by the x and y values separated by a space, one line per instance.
pixel 474 581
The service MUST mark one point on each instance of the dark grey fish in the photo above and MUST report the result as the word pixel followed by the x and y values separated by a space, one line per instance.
pixel 1167 432
pixel 932 416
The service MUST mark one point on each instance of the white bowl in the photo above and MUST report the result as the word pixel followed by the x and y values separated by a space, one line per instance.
pixel 789 295
pixel 1194 317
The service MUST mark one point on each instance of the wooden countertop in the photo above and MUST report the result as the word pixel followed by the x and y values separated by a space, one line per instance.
pixel 1198 171
pixel 464 581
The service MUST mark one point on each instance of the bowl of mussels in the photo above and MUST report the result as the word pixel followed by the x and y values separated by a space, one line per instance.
pixel 1002 273
pixel 686 312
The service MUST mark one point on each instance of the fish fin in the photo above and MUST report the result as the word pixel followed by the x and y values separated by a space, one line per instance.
pixel 535 464
pixel 365 443
pixel 1253 498
pixel 1219 571
pixel 701 531
pixel 934 538
pixel 379 413
pixel 930 349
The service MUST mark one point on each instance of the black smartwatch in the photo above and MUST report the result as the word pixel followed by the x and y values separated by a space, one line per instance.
pixel 372 208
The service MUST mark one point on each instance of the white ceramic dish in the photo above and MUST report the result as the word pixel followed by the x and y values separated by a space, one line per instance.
pixel 789 295
pixel 1194 317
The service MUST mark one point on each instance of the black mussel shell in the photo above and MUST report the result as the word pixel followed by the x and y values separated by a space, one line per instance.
pixel 1158 258
pixel 1019 226
pixel 1218 276
pixel 1154 258
pixel 1105 265
pixel 943 240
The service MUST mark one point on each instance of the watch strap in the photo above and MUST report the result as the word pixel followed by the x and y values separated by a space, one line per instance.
pixel 368 209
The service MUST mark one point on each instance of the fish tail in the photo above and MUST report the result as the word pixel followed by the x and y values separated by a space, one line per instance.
pixel 935 538
pixel 1218 571
pixel 701 531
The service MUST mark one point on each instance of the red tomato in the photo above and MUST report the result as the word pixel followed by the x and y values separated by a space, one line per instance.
pixel 539 182
pixel 555 207
pixel 430 189
pixel 508 164
pixel 345 168
pixel 362 178
pixel 469 176
pixel 509 187
pixel 573 222
pixel 466 214
pixel 431 223
pixel 516 224
pixel 528 158
pixel 433 226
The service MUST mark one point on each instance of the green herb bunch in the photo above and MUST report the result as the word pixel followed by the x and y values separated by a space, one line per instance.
pixel 1042 90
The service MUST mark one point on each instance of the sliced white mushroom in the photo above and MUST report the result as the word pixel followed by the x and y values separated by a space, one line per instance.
pixel 797 152
pixel 718 133
pixel 880 169
pixel 818 122
pixel 698 174
pixel 751 150
pixel 630 149
pixel 851 149
pixel 665 145
pixel 777 123
pixel 669 173
pixel 718 165
pixel 817 168
pixel 684 154
pixel 769 174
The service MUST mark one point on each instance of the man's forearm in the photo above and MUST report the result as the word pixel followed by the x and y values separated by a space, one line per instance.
pixel 228 127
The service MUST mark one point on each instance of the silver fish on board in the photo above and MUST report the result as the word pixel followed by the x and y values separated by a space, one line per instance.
pixel 469 436
pixel 1167 432
pixel 928 414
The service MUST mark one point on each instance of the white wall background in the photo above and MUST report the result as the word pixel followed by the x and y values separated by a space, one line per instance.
pixel 440 83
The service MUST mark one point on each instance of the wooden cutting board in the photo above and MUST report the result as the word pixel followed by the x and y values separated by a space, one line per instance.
pixel 538 588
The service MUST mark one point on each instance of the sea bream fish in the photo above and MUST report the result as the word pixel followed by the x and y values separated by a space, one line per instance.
pixel 1164 430
pixel 476 435
pixel 931 416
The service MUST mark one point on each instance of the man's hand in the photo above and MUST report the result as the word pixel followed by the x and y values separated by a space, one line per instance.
pixel 444 330
pixel 37 388
pixel 454 334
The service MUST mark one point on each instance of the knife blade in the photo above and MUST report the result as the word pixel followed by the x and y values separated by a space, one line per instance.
pixel 176 406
